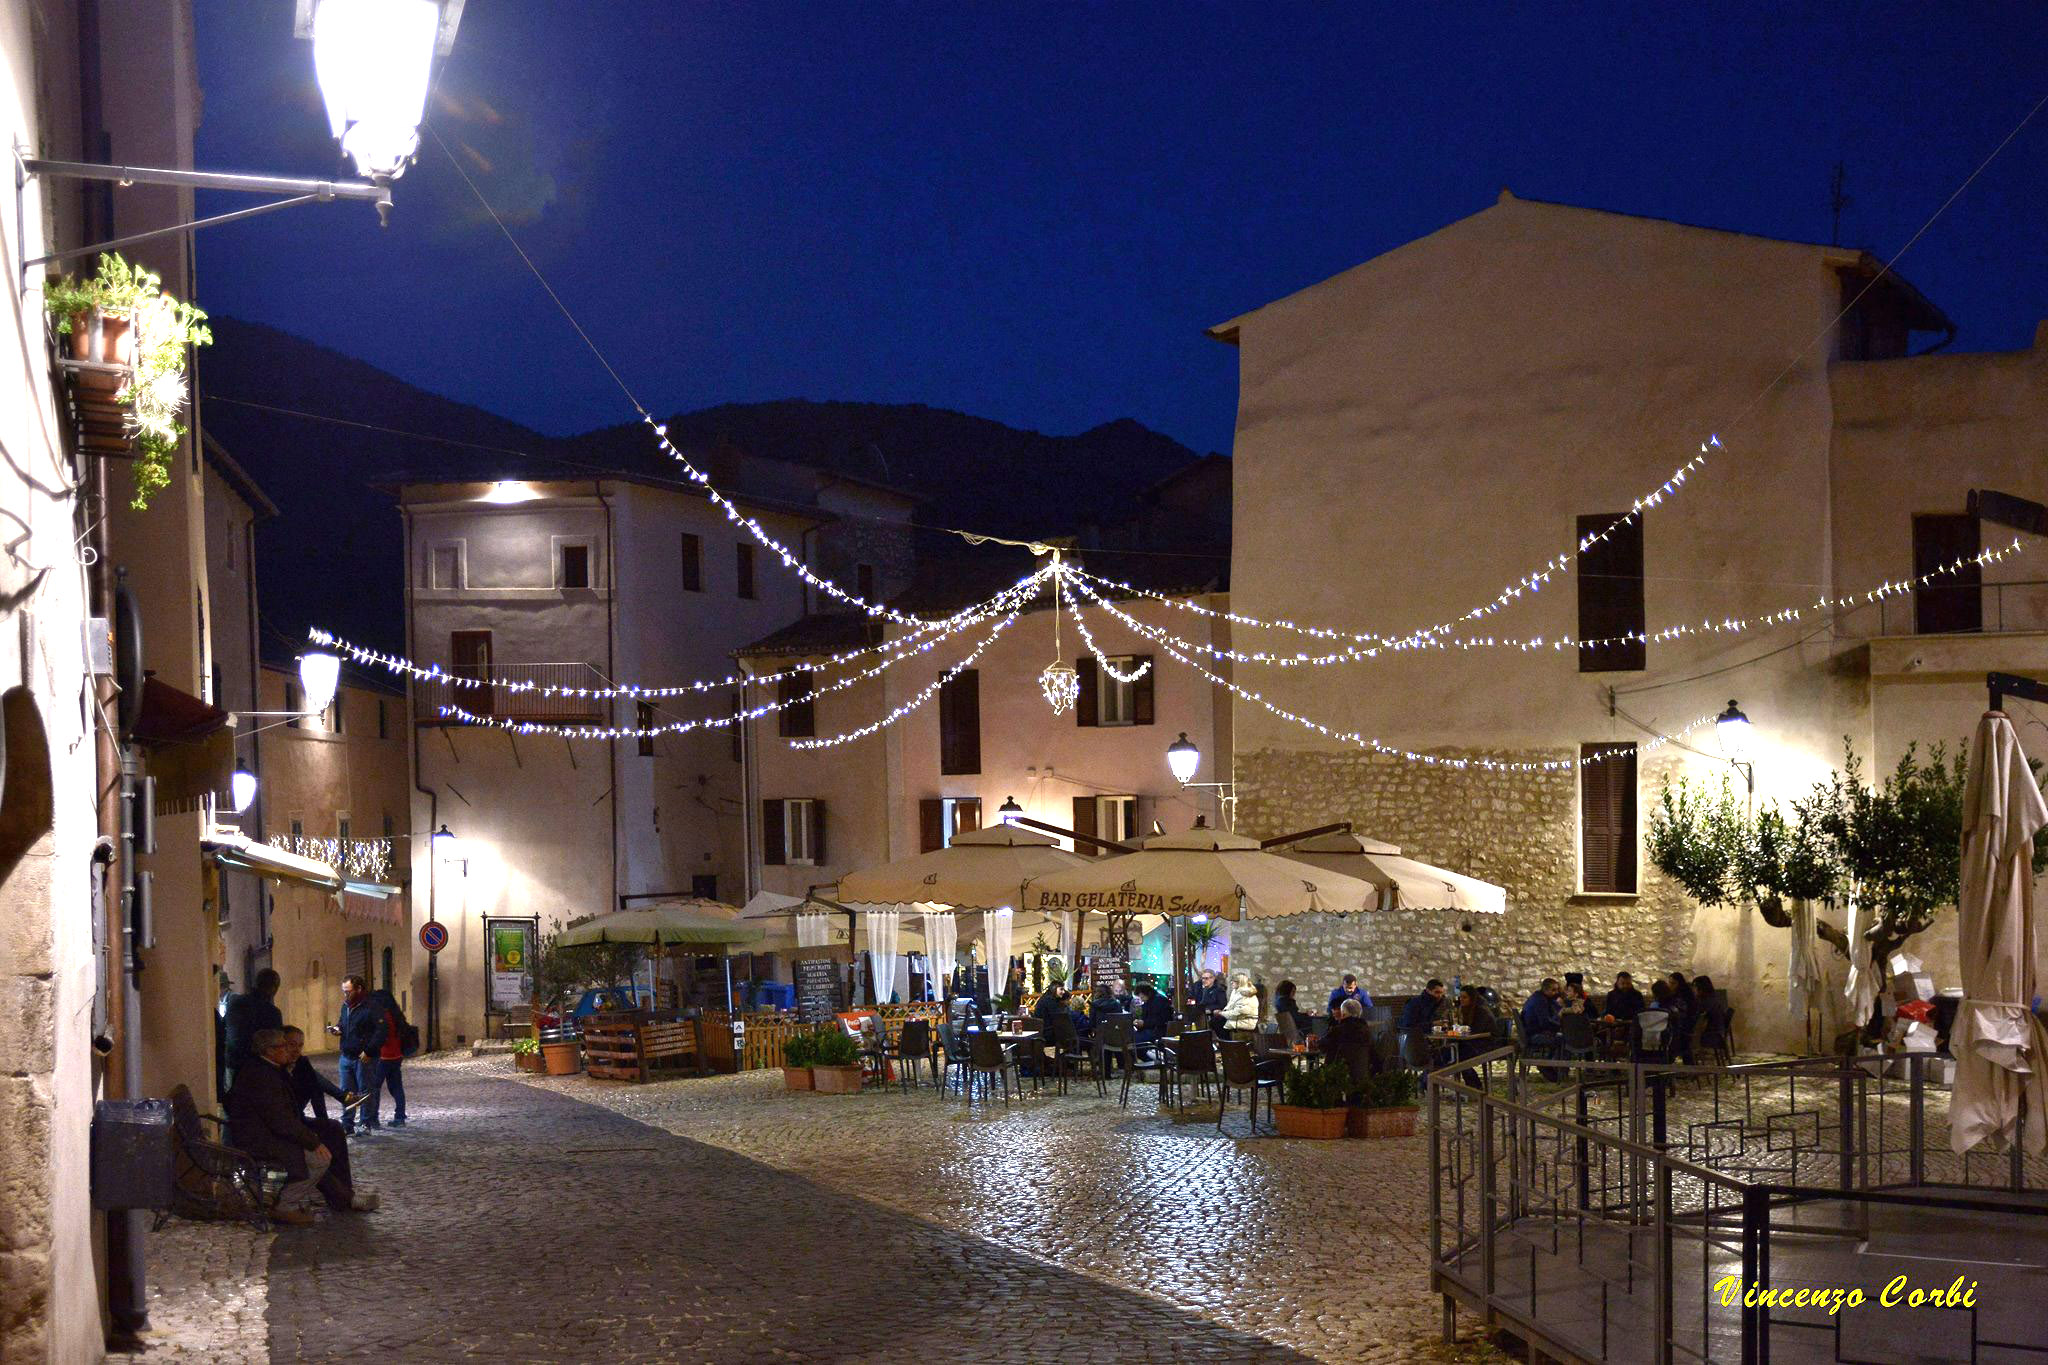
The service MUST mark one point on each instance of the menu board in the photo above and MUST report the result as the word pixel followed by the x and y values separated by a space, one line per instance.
pixel 819 992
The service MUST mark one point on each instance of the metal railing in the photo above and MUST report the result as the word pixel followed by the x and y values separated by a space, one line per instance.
pixel 541 692
pixel 2003 608
pixel 1605 1211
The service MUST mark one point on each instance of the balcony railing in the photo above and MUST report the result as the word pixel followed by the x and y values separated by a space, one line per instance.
pixel 2002 609
pixel 536 692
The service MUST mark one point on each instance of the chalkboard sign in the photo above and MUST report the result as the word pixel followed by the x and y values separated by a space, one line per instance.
pixel 819 994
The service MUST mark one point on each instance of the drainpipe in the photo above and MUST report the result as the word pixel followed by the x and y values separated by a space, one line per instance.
pixel 611 670
pixel 418 785
pixel 750 852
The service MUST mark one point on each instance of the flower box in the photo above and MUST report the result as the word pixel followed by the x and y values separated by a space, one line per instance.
pixel 530 1061
pixel 835 1080
pixel 796 1078
pixel 1296 1121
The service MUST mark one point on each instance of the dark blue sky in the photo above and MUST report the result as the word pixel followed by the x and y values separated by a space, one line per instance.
pixel 1031 211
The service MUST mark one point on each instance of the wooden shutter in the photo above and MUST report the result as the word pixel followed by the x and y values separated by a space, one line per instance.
pixel 931 825
pixel 1610 576
pixel 469 652
pixel 960 723
pixel 1607 818
pixel 966 814
pixel 1084 823
pixel 1952 601
pixel 798 716
pixel 772 840
pixel 693 563
pixel 818 832
pixel 1086 705
pixel 1141 690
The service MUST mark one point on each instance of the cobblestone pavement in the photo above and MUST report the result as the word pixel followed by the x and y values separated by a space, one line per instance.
pixel 208 1292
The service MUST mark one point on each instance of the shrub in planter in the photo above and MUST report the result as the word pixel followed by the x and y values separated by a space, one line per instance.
pixel 526 1054
pixel 835 1065
pixel 1389 1110
pixel 798 1052
pixel 1315 1101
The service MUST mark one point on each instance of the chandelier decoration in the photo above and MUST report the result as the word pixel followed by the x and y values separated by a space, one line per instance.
pixel 1060 682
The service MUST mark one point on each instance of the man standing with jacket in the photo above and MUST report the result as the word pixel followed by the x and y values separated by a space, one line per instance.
pixel 247 1015
pixel 365 1025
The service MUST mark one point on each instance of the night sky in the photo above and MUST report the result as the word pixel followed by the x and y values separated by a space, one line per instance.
pixel 1030 211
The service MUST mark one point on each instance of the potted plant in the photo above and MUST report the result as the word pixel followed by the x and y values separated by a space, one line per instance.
pixel 121 316
pixel 562 1056
pixel 835 1062
pixel 1389 1108
pixel 798 1052
pixel 526 1054
pixel 1315 1101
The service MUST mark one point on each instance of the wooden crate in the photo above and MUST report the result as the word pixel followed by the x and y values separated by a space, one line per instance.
pixel 611 1048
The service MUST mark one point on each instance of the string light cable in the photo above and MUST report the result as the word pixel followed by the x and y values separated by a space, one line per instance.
pixel 925 695
pixel 1109 670
pixel 1362 741
pixel 1012 600
pixel 1352 653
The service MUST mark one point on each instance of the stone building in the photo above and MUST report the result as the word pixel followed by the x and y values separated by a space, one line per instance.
pixel 1441 421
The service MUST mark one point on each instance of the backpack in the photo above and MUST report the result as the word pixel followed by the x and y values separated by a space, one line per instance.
pixel 408 1033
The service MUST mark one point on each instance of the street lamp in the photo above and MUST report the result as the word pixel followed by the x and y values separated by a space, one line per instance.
pixel 373 59
pixel 1733 730
pixel 444 845
pixel 242 788
pixel 1183 758
pixel 319 675
pixel 1009 812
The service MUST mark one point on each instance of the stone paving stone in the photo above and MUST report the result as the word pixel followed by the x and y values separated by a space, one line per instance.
pixel 208 1293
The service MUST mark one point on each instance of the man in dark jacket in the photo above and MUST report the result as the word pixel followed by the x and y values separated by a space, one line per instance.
pixel 1209 997
pixel 1350 1042
pixel 1624 1002
pixel 309 1087
pixel 263 1120
pixel 1541 1016
pixel 365 1024
pixel 1350 990
pixel 1155 1014
pixel 247 1015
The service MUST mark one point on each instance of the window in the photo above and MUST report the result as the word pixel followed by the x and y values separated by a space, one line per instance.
pixel 1105 701
pixel 693 563
pixel 643 721
pixel 704 885
pixel 1607 819
pixel 1105 817
pixel 388 826
pixel 798 716
pixel 1610 574
pixel 294 701
pixel 737 730
pixel 793 831
pixel 444 566
pixel 336 711
pixel 469 656
pixel 1952 601
pixel 298 825
pixel 864 582
pixel 387 970
pixel 342 825
pixel 960 723
pixel 743 562
pixel 383 721
pixel 939 818
pixel 572 565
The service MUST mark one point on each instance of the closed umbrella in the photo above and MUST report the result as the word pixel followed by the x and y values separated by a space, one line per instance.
pixel 1404 883
pixel 2000 1046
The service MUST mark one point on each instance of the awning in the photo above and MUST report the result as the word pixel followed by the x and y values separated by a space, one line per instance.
pixel 188 747
pixel 235 850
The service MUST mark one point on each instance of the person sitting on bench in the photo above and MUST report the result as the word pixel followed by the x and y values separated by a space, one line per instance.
pixel 314 1089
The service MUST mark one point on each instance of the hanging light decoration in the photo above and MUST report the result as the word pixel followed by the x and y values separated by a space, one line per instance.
pixel 1060 682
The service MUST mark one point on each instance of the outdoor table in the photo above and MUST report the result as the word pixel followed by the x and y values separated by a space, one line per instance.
pixel 1020 1039
pixel 1451 1043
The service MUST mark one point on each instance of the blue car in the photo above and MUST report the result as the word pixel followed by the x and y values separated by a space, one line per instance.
pixel 606 998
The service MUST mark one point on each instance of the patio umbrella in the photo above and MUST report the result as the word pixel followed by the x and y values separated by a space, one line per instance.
pixel 982 869
pixel 2000 1046
pixel 1404 883
pixel 682 922
pixel 1201 872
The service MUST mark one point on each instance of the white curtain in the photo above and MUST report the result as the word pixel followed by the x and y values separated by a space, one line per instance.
pixel 1070 950
pixel 882 926
pixel 813 930
pixel 1861 988
pixel 1802 978
pixel 998 923
pixel 941 945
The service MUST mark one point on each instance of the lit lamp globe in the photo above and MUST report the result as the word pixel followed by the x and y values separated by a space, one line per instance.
pixel 444 845
pixel 242 788
pixel 373 59
pixel 1182 758
pixel 1009 812
pixel 1733 730
pixel 319 675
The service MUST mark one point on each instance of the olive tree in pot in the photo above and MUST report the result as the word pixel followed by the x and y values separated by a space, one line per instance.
pixel 1315 1100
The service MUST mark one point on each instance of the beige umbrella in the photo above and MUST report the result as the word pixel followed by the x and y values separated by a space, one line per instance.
pixel 1404 883
pixel 2000 1046
pixel 696 923
pixel 982 869
pixel 1201 872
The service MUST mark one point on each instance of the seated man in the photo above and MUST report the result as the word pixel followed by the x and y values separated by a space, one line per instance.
pixel 263 1120
pixel 1155 1014
pixel 1350 990
pixel 1624 1002
pixel 1542 1015
pixel 312 1088
pixel 1350 1042
pixel 1418 1017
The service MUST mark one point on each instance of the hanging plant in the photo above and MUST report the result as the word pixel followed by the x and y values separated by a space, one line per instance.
pixel 164 329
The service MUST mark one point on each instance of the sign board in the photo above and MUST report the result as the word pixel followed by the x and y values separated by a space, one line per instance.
pixel 510 945
pixel 433 936
pixel 820 986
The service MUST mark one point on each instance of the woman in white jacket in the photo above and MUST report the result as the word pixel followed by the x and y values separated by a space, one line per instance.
pixel 1241 1011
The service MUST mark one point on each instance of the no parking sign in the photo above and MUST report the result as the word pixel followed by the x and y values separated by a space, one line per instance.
pixel 433 936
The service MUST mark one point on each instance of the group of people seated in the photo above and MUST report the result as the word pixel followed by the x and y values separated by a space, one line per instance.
pixel 1664 1025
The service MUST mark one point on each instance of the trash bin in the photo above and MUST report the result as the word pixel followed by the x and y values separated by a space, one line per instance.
pixel 134 1154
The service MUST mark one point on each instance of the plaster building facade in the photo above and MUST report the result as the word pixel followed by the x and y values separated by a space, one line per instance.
pixel 580 583
pixel 1446 418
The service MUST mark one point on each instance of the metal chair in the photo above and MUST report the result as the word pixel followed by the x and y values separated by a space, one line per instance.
pixel 1717 1029
pixel 1241 1072
pixel 988 1058
pixel 1575 1038
pixel 913 1045
pixel 1194 1054
pixel 1061 1050
pixel 1649 1036
pixel 953 1052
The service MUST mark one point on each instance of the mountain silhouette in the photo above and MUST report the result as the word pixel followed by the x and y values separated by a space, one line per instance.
pixel 326 435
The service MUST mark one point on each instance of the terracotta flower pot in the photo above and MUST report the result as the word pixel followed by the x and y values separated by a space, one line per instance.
pixel 530 1061
pixel 835 1080
pixel 104 339
pixel 1296 1121
pixel 796 1078
pixel 1395 1121
pixel 562 1058
pixel 1357 1121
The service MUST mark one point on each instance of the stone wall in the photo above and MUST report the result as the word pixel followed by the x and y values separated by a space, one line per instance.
pixel 1519 830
